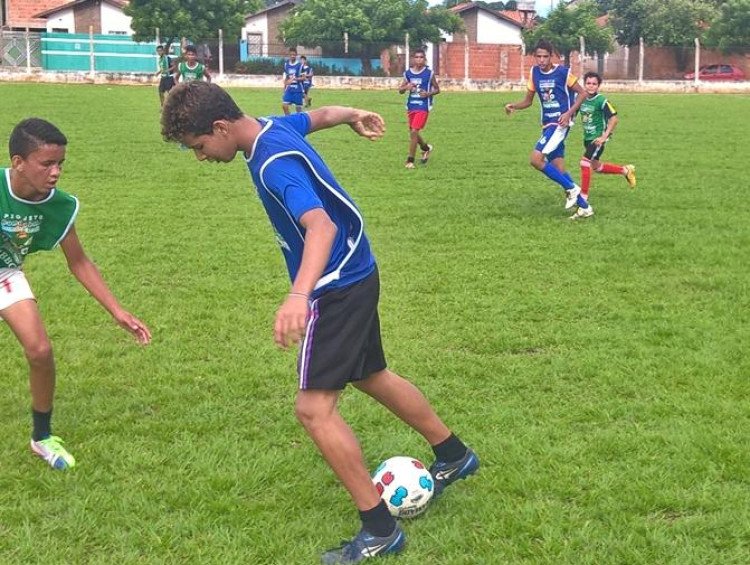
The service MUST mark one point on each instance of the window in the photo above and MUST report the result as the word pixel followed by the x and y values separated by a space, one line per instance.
pixel 255 44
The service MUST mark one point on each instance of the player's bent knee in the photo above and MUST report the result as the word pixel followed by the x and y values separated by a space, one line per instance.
pixel 39 352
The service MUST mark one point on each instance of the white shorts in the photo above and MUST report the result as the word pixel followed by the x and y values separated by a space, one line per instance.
pixel 13 288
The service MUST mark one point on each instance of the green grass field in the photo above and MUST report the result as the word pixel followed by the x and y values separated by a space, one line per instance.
pixel 599 368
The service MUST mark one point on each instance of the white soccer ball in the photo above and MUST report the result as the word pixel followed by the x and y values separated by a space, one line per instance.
pixel 405 485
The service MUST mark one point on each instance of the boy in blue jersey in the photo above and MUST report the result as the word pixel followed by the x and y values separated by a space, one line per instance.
pixel 293 93
pixel 420 82
pixel 331 308
pixel 307 83
pixel 553 84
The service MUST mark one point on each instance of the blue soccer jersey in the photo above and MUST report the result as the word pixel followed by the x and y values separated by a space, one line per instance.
pixel 422 80
pixel 291 179
pixel 293 70
pixel 554 91
pixel 307 72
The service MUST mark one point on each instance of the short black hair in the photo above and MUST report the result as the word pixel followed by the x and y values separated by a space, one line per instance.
pixel 159 47
pixel 193 107
pixel 592 74
pixel 293 50
pixel 191 49
pixel 303 57
pixel 420 50
pixel 545 44
pixel 30 134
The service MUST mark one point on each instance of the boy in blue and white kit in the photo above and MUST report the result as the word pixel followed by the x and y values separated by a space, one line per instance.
pixel 331 307
pixel 307 83
pixel 553 84
pixel 293 93
pixel 420 82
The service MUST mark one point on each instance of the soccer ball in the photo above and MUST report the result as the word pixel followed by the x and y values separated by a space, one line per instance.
pixel 405 485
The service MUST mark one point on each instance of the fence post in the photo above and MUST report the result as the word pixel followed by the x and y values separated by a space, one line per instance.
pixel 407 55
pixel 158 39
pixel 92 58
pixel 28 52
pixel 221 53
pixel 582 47
pixel 640 60
pixel 697 61
pixel 523 62
pixel 346 42
pixel 466 59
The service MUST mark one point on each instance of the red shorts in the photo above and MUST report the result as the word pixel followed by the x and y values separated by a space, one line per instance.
pixel 417 118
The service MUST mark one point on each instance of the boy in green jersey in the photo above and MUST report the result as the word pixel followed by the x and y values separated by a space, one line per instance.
pixel 165 68
pixel 36 216
pixel 190 69
pixel 599 120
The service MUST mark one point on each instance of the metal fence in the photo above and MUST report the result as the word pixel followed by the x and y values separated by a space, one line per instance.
pixel 20 50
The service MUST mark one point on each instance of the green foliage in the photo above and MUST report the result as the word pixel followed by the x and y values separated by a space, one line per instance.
pixel 187 18
pixel 565 26
pixel 666 22
pixel 367 21
pixel 730 31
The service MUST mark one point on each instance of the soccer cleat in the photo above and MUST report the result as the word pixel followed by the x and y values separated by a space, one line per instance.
pixel 583 213
pixel 51 450
pixel 446 473
pixel 630 175
pixel 364 546
pixel 426 154
pixel 571 196
pixel 409 165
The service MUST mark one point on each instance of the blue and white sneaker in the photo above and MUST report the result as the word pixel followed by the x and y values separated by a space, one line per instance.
pixel 446 473
pixel 364 546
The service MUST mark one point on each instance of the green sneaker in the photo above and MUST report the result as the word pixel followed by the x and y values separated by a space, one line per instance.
pixel 51 450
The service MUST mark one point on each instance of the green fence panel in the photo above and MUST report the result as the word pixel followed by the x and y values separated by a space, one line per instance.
pixel 112 53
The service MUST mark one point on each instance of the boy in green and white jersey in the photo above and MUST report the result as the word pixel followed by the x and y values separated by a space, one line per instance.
pixel 190 69
pixel 599 120
pixel 36 216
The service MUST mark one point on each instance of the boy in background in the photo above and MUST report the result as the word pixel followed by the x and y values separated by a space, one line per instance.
pixel 165 68
pixel 292 78
pixel 307 83
pixel 190 69
pixel 35 215
pixel 599 119
pixel 421 84
pixel 553 83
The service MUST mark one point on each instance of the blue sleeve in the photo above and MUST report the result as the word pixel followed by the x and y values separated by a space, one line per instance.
pixel 299 122
pixel 292 182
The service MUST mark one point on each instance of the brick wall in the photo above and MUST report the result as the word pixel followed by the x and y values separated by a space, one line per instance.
pixel 89 14
pixel 21 12
pixel 276 45
pixel 486 61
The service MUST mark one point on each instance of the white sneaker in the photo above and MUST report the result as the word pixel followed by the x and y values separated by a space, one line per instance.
pixel 571 196
pixel 583 213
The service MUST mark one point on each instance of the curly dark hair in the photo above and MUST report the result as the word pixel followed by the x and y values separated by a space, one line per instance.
pixel 31 133
pixel 546 45
pixel 193 107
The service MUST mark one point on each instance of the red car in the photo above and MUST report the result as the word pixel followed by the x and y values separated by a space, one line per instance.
pixel 718 72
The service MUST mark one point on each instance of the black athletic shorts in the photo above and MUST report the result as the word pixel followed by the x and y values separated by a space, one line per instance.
pixel 593 151
pixel 166 84
pixel 342 342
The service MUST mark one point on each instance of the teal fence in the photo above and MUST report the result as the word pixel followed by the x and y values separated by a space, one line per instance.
pixel 111 53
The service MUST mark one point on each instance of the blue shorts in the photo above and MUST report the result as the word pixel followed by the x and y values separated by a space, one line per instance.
pixel 306 88
pixel 292 97
pixel 552 142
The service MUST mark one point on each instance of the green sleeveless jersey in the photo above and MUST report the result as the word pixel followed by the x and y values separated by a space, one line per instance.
pixel 188 74
pixel 164 66
pixel 595 113
pixel 27 226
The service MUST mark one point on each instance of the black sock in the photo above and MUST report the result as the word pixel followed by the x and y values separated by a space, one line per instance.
pixel 378 521
pixel 425 147
pixel 42 424
pixel 452 449
pixel 410 159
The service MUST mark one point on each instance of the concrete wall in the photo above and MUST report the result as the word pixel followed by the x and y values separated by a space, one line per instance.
pixel 114 20
pixel 373 83
pixel 62 20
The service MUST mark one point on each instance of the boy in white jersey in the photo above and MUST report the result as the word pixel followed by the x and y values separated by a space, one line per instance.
pixel 331 308
pixel 36 216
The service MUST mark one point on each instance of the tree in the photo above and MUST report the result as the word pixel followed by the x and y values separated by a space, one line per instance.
pixel 730 31
pixel 565 26
pixel 371 25
pixel 666 22
pixel 187 18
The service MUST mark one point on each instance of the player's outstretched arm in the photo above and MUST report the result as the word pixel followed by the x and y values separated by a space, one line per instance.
pixel 522 105
pixel 88 275
pixel 367 124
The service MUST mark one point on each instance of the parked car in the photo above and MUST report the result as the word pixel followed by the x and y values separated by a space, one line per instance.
pixel 718 72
